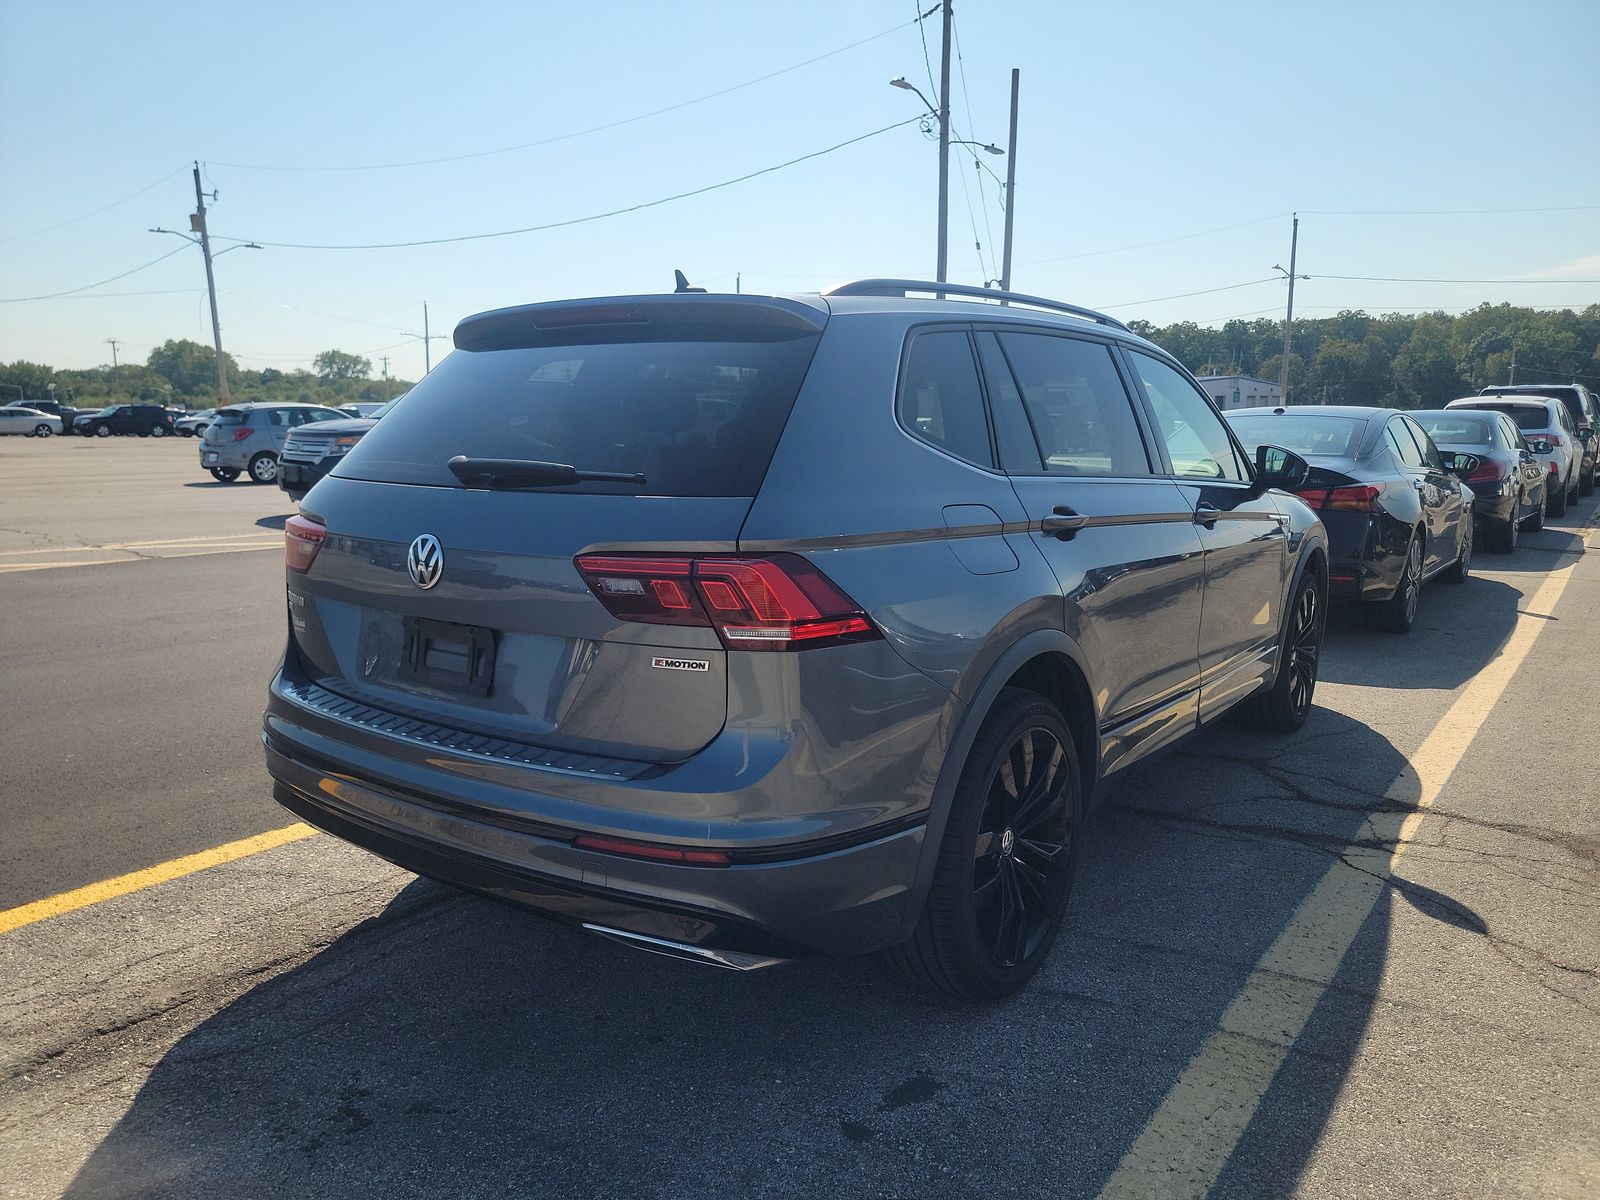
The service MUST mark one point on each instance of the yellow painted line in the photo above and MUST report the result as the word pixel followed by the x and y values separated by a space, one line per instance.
pixel 122 885
pixel 185 541
pixel 1183 1148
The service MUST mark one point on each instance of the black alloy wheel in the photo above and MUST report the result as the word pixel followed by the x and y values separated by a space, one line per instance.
pixel 1502 539
pixel 1399 613
pixel 1284 707
pixel 224 474
pixel 1007 857
pixel 1462 567
pixel 1024 842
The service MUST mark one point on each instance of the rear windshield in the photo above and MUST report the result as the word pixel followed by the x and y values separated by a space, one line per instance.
pixel 1322 437
pixel 697 418
pixel 232 416
pixel 1528 417
pixel 1451 429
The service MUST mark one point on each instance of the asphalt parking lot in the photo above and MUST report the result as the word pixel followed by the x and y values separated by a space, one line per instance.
pixel 1363 961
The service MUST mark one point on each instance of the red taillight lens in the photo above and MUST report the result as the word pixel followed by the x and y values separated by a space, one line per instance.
pixel 239 435
pixel 780 602
pixel 302 539
pixel 675 854
pixel 1487 472
pixel 1356 498
pixel 1553 438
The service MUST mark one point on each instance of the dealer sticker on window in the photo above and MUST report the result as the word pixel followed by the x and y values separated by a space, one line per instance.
pixel 681 664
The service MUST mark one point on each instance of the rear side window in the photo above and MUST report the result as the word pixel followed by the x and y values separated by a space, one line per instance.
pixel 696 418
pixel 1403 444
pixel 1080 414
pixel 940 400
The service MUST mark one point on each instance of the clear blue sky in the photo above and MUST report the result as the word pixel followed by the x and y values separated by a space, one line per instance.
pixel 1140 122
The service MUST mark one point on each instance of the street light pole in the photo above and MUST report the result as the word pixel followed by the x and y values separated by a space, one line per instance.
pixel 427 342
pixel 199 223
pixel 944 148
pixel 1288 317
pixel 1011 184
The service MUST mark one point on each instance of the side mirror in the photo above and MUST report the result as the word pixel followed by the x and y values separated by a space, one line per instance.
pixel 1280 468
pixel 1540 446
pixel 1460 464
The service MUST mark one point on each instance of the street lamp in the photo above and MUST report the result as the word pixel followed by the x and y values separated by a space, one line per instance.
pixel 203 239
pixel 941 117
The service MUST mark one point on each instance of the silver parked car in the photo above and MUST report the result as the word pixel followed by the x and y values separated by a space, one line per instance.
pixel 742 628
pixel 28 421
pixel 248 438
pixel 193 424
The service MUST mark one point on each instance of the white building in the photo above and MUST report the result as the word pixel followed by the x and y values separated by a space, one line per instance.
pixel 1241 391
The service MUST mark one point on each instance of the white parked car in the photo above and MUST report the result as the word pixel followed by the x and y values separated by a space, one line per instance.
pixel 28 421
pixel 1547 426
pixel 194 424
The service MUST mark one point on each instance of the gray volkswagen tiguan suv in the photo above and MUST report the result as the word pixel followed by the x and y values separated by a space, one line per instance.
pixel 748 628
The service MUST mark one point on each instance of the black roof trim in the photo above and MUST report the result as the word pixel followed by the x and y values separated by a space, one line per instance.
pixel 903 287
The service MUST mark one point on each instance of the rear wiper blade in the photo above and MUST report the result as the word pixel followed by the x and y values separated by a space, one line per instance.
pixel 509 473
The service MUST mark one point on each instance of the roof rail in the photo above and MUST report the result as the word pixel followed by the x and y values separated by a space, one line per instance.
pixel 902 287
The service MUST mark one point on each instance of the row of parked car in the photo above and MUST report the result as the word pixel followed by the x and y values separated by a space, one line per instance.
pixel 292 444
pixel 742 628
pixel 46 418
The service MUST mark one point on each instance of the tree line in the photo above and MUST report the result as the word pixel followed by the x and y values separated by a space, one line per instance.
pixel 183 374
pixel 1396 360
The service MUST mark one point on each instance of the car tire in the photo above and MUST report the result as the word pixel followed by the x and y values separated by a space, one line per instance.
pixel 158 431
pixel 998 897
pixel 1534 521
pixel 1284 707
pixel 1502 539
pixel 1572 492
pixel 264 468
pixel 102 431
pixel 1399 613
pixel 1586 483
pixel 1462 567
pixel 224 474
pixel 42 430
pixel 1555 503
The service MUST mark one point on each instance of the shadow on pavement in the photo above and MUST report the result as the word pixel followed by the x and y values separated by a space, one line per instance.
pixel 1455 623
pixel 452 1046
pixel 276 522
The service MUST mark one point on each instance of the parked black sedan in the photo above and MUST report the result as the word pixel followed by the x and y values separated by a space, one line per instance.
pixel 1396 515
pixel 1509 483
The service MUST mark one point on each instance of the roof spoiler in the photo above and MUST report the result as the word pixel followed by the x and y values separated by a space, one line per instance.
pixel 688 316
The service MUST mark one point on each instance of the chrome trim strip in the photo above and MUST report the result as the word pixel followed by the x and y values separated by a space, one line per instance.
pixel 733 960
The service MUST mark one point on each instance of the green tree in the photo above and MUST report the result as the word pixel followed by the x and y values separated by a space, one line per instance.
pixel 1425 372
pixel 336 364
pixel 33 378
pixel 188 366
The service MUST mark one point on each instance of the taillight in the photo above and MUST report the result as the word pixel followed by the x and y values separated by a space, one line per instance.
pixel 1487 472
pixel 302 538
pixel 1355 498
pixel 1553 438
pixel 239 435
pixel 780 602
pixel 645 850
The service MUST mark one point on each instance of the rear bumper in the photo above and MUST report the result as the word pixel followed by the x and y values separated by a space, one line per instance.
pixel 843 901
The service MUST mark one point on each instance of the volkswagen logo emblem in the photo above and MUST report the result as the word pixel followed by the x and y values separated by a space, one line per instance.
pixel 425 561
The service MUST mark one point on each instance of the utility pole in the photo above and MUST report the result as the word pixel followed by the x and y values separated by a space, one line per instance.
pixel 1288 317
pixel 1011 184
pixel 385 378
pixel 1513 378
pixel 197 222
pixel 113 344
pixel 427 342
pixel 944 147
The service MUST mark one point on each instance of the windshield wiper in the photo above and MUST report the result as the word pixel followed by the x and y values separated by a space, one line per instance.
pixel 504 474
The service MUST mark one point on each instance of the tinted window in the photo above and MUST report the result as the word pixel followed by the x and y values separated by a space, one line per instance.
pixel 232 416
pixel 1403 444
pixel 1512 435
pixel 1077 410
pixel 940 400
pixel 1197 441
pixel 697 418
pixel 1328 437
pixel 1527 416
pixel 1459 429
pixel 1430 452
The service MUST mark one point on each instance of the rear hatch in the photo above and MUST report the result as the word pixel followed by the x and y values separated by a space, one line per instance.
pixel 224 424
pixel 464 607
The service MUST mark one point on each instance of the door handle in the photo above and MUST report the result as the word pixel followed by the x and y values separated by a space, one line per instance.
pixel 1064 524
pixel 1207 515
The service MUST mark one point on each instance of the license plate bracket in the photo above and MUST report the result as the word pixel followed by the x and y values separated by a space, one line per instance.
pixel 448 656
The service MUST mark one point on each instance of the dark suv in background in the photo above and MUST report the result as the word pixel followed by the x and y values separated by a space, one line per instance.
pixel 311 451
pixel 740 628
pixel 1584 406
pixel 145 420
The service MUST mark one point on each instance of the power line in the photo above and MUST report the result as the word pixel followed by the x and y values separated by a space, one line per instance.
pixel 118 295
pixel 52 228
pixel 988 230
pixel 1396 279
pixel 102 283
pixel 1439 212
pixel 1185 295
pixel 563 137
pixel 615 212
pixel 1182 237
